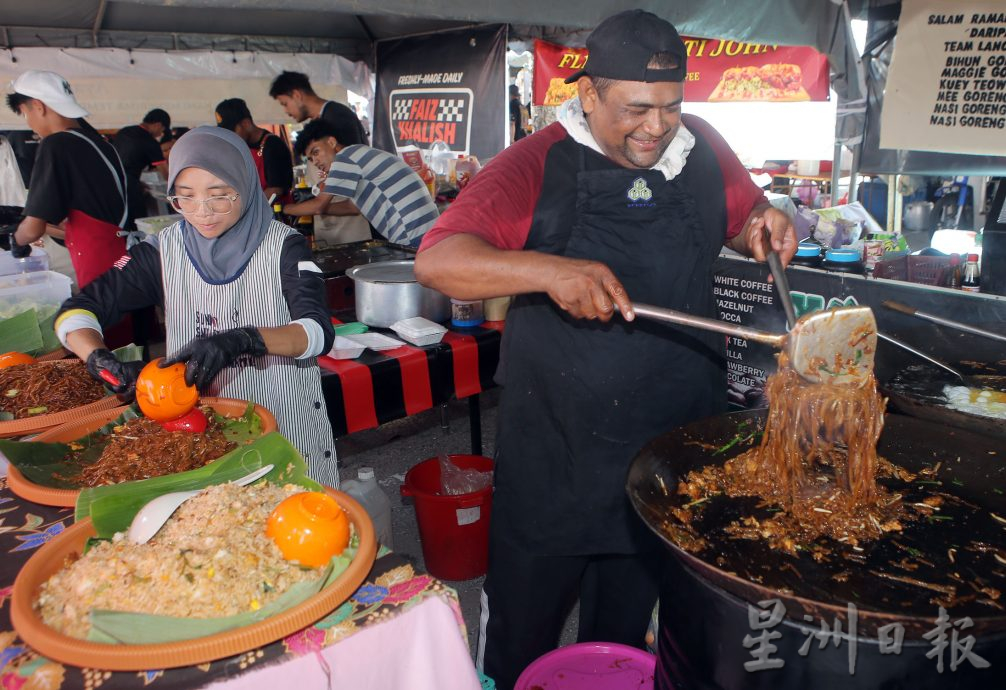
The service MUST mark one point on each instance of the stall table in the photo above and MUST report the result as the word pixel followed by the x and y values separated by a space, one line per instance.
pixel 401 629
pixel 379 387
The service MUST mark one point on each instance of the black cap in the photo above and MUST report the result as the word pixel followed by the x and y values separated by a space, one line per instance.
pixel 231 112
pixel 622 46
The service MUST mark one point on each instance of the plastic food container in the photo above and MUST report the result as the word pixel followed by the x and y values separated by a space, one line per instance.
pixel 843 261
pixel 344 348
pixel 419 331
pixel 466 313
pixel 154 224
pixel 807 254
pixel 375 341
pixel 43 291
pixel 38 260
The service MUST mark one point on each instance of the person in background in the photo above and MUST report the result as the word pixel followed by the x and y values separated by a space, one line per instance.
pixel 294 93
pixel 518 115
pixel 139 147
pixel 622 199
pixel 365 180
pixel 244 303
pixel 271 155
pixel 78 185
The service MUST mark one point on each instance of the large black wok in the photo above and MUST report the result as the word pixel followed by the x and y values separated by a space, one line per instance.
pixel 713 588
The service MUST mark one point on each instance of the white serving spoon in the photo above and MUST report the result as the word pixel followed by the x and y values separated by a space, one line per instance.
pixel 151 517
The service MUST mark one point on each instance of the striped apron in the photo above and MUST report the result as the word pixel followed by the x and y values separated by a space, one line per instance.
pixel 287 387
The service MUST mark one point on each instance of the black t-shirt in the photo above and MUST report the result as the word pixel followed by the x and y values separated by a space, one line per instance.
pixel 69 174
pixel 347 125
pixel 138 149
pixel 277 162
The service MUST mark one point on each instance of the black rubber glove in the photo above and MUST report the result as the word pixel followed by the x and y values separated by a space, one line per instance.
pixel 125 372
pixel 18 251
pixel 205 357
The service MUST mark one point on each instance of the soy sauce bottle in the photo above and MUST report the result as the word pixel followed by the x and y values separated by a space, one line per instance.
pixel 972 278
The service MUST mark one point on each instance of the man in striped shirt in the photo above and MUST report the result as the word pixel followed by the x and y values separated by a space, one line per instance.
pixel 365 180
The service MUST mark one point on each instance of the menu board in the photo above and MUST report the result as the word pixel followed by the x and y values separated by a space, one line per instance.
pixel 947 86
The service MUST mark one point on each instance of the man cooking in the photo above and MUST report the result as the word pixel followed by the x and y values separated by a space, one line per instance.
pixel 78 185
pixel 360 179
pixel 622 199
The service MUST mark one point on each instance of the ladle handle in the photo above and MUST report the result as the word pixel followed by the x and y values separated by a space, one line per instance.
pixel 779 276
pixel 680 318
pixel 917 353
pixel 912 311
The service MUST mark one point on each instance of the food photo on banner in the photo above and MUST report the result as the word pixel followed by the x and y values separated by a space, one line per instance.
pixel 718 71
pixel 448 86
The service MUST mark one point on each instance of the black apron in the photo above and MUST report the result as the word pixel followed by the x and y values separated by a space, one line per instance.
pixel 580 398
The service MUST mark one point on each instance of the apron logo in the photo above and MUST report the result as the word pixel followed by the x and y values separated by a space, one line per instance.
pixel 639 193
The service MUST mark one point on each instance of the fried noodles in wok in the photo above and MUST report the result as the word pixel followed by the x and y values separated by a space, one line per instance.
pixel 817 460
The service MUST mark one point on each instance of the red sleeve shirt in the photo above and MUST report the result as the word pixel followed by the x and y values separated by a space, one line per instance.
pixel 500 202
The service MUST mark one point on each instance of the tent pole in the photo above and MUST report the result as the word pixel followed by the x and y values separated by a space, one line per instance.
pixel 98 19
pixel 854 175
pixel 836 173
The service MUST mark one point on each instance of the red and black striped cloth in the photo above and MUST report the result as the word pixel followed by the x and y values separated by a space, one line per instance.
pixel 379 387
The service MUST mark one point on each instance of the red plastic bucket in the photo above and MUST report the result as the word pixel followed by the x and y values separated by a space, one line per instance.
pixel 454 530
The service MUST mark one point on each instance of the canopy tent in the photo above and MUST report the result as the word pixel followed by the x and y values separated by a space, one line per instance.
pixel 350 28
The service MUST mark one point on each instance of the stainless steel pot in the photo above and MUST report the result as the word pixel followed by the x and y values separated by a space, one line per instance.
pixel 917 215
pixel 387 292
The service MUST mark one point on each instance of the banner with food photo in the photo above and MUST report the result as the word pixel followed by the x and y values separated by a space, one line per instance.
pixel 718 71
pixel 448 87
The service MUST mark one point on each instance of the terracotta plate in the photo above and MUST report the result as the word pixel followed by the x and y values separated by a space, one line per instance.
pixel 71 431
pixel 122 657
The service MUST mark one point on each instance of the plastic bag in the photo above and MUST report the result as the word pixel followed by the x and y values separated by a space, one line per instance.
pixel 455 481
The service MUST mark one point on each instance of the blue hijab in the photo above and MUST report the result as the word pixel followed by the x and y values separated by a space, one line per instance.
pixel 226 155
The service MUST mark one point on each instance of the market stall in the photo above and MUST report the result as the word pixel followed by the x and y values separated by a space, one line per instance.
pixel 400 614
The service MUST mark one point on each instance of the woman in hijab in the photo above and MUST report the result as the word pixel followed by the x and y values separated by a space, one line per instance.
pixel 244 303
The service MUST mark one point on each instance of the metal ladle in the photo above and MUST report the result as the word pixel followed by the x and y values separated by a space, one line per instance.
pixel 836 346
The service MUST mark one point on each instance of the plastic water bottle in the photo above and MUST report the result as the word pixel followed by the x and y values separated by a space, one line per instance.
pixel 377 504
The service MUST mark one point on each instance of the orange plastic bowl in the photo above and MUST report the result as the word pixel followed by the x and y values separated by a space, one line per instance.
pixel 309 528
pixel 11 359
pixel 162 394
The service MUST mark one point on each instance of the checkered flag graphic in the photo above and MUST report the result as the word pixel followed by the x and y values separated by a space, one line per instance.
pixel 401 109
pixel 451 110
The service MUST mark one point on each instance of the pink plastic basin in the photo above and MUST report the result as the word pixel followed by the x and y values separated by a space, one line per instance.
pixel 590 666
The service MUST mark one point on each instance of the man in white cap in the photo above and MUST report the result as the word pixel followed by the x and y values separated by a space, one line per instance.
pixel 78 185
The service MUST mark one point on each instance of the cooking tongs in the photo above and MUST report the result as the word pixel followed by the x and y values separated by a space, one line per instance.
pixel 835 346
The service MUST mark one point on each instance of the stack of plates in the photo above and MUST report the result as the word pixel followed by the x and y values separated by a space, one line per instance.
pixel 419 331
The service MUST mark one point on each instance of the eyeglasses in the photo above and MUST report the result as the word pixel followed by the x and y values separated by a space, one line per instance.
pixel 220 205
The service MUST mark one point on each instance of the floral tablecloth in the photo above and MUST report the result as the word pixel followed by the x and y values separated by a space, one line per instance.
pixel 402 628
